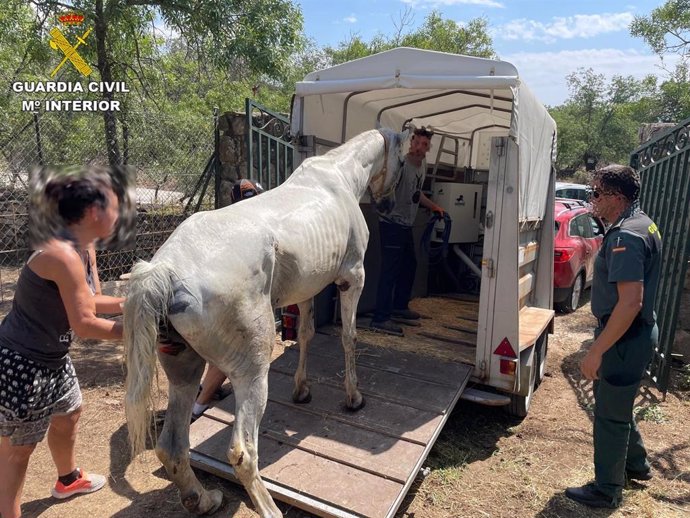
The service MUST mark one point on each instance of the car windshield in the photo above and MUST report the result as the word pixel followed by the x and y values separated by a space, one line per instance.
pixel 573 193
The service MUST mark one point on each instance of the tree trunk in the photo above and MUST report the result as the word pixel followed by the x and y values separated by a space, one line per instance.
pixel 110 122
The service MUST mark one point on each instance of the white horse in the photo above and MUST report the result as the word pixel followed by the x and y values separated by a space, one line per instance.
pixel 215 283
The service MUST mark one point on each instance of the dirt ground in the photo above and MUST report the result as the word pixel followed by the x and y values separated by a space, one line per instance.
pixel 484 463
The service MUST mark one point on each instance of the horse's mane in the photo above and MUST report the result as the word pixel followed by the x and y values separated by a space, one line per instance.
pixel 354 141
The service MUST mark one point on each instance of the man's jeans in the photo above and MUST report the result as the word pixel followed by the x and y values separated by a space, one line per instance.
pixel 398 267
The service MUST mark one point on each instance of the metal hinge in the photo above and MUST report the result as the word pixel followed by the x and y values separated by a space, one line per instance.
pixel 500 146
pixel 488 264
pixel 489 219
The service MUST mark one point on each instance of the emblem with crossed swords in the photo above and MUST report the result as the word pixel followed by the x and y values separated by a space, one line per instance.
pixel 60 42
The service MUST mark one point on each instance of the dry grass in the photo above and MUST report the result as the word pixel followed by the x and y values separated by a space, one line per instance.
pixel 484 464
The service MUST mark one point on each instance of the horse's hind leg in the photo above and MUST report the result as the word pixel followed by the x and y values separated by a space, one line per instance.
pixel 250 383
pixel 305 333
pixel 184 372
pixel 350 287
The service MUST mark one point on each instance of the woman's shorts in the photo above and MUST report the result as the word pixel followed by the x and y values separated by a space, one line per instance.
pixel 30 394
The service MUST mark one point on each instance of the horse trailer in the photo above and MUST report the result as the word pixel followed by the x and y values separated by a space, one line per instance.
pixel 490 166
pixel 490 282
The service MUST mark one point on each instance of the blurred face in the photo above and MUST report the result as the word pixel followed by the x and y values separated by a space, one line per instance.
pixel 106 218
pixel 605 204
pixel 419 147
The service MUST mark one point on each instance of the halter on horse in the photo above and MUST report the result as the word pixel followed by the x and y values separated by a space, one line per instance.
pixel 215 283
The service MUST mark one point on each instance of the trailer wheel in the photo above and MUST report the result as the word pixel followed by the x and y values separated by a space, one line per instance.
pixel 519 405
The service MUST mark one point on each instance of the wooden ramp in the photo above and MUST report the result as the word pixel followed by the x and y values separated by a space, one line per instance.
pixel 332 462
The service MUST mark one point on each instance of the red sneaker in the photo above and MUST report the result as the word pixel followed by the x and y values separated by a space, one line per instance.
pixel 84 484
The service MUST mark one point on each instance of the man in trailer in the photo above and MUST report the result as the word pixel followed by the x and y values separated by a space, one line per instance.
pixel 398 261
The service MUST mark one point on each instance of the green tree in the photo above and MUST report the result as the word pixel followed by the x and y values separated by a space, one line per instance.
pixel 21 55
pixel 436 33
pixel 246 36
pixel 674 95
pixel 667 31
pixel 600 119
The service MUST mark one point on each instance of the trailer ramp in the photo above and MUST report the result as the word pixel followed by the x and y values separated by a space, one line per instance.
pixel 327 460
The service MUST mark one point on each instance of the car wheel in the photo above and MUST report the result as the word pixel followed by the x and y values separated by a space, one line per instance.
pixel 573 299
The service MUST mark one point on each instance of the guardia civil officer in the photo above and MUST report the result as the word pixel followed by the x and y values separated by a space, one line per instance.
pixel 626 274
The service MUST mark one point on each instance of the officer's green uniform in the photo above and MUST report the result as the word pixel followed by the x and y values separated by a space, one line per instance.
pixel 631 251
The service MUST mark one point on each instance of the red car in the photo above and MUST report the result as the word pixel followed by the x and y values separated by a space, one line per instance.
pixel 578 238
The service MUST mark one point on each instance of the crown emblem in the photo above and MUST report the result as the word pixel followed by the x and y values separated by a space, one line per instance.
pixel 71 19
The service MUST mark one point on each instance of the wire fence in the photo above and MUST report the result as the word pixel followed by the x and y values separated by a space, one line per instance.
pixel 169 155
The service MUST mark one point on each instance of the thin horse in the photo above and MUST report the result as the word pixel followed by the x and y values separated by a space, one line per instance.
pixel 215 283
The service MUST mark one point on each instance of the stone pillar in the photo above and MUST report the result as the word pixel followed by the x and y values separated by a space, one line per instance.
pixel 647 132
pixel 233 152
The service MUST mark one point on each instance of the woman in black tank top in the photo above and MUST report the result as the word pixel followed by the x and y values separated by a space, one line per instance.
pixel 57 296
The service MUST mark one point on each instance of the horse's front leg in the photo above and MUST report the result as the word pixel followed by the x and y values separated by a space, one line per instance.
pixel 350 287
pixel 184 372
pixel 305 333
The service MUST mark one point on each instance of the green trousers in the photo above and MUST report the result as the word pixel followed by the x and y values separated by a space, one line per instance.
pixel 618 444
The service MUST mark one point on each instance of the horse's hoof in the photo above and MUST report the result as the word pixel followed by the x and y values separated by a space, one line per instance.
pixel 303 401
pixel 355 408
pixel 190 501
pixel 216 498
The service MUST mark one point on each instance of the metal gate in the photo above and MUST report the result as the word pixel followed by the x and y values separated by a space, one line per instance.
pixel 270 153
pixel 664 166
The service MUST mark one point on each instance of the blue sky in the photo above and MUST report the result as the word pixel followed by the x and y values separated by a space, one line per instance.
pixel 545 40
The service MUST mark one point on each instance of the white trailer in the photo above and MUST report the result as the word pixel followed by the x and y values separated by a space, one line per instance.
pixel 490 167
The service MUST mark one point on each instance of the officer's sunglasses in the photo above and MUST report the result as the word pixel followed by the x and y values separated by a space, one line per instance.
pixel 597 194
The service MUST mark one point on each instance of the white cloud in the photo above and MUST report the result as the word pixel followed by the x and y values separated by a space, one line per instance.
pixel 350 19
pixel 577 26
pixel 437 3
pixel 544 72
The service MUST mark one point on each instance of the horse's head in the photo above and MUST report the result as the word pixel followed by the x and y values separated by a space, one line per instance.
pixel 382 184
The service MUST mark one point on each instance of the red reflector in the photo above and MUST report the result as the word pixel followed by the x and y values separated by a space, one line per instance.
pixel 505 349
pixel 288 321
pixel 508 366
pixel 563 255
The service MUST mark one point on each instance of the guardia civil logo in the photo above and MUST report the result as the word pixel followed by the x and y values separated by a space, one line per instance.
pixel 69 52
pixel 60 43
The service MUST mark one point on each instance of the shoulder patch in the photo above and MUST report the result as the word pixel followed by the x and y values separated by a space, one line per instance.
pixel 653 229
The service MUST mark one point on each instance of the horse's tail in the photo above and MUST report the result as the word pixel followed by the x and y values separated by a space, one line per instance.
pixel 150 289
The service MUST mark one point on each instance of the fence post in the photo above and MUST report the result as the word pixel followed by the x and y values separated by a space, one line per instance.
pixel 250 139
pixel 216 158
pixel 125 143
pixel 37 128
